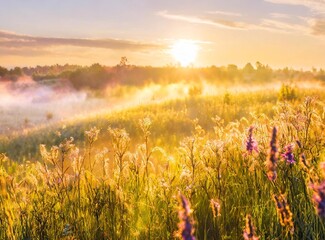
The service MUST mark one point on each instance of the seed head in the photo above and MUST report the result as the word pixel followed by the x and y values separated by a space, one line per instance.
pixel 284 212
pixel 249 231
pixel 272 159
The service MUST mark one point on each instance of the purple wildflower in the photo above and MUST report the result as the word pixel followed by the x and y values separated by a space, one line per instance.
pixel 251 144
pixel 319 198
pixel 272 159
pixel 185 226
pixel 288 154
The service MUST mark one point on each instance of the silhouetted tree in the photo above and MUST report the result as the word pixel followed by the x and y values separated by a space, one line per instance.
pixel 93 77
pixel 123 62
pixel 16 71
pixel 248 69
pixel 3 71
pixel 263 72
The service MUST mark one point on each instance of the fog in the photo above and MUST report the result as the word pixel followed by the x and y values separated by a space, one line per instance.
pixel 25 103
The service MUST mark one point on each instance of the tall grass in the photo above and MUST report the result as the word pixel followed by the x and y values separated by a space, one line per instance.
pixel 110 186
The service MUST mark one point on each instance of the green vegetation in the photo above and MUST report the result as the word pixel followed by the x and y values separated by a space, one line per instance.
pixel 172 120
pixel 119 175
pixel 97 76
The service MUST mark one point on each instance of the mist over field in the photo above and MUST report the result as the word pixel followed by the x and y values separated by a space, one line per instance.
pixel 26 103
pixel 131 140
pixel 28 100
pixel 169 120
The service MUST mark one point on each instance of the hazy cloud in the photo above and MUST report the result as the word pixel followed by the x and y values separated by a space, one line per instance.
pixel 13 40
pixel 280 15
pixel 275 24
pixel 278 22
pixel 314 26
pixel 25 52
pixel 310 26
pixel 282 26
pixel 317 6
pixel 318 27
pixel 222 23
pixel 224 13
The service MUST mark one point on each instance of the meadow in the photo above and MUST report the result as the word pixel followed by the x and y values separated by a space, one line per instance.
pixel 162 120
pixel 231 165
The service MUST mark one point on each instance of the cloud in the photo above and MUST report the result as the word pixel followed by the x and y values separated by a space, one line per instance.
pixel 224 13
pixel 310 26
pixel 317 6
pixel 282 26
pixel 25 52
pixel 280 16
pixel 278 22
pixel 221 23
pixel 14 40
pixel 318 27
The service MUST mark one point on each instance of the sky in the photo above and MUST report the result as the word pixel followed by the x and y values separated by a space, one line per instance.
pixel 280 33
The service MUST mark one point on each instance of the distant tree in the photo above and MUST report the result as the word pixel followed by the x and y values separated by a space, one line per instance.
pixel 263 72
pixel 93 77
pixel 3 71
pixel 16 71
pixel 248 69
pixel 123 62
pixel 321 75
pixel 232 71
pixel 259 66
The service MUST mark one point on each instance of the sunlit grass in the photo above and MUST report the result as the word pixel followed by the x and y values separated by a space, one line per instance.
pixel 122 173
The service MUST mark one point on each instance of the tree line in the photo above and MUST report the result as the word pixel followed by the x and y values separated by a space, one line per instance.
pixel 98 76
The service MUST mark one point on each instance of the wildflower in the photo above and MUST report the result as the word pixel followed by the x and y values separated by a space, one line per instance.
pixel 215 206
pixel 145 125
pixel 66 145
pixel 284 212
pixel 249 231
pixel 185 227
pixel 319 197
pixel 76 161
pixel 272 159
pixel 251 144
pixel 92 134
pixel 288 154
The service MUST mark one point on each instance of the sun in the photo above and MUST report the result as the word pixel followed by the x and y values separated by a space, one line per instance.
pixel 184 52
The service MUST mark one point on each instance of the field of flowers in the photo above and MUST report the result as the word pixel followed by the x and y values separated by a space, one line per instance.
pixel 234 166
